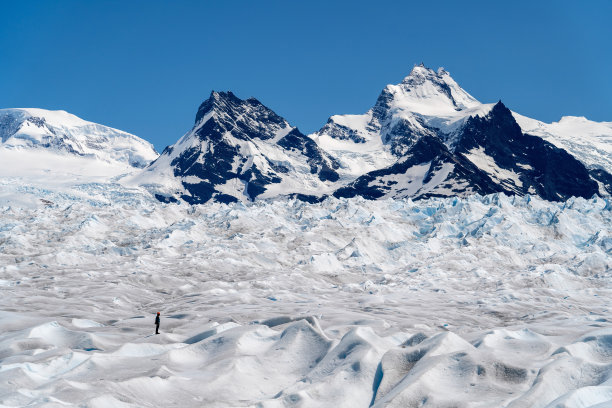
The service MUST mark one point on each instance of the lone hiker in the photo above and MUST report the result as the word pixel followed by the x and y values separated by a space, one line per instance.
pixel 157 323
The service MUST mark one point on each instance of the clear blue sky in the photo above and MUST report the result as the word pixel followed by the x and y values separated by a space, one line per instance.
pixel 145 66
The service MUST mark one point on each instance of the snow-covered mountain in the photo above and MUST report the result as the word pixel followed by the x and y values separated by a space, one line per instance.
pixel 66 134
pixel 240 150
pixel 428 137
pixel 489 154
pixel 426 103
pixel 424 137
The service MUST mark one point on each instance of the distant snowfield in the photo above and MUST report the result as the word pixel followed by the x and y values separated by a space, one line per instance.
pixel 482 302
pixel 61 132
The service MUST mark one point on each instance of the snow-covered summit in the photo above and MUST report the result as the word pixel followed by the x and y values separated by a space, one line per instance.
pixel 225 105
pixel 64 133
pixel 425 103
pixel 428 92
pixel 377 151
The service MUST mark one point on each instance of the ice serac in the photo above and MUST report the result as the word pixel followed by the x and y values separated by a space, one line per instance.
pixel 239 150
pixel 64 133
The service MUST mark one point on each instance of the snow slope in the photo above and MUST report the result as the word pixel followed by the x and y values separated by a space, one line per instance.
pixel 477 302
pixel 64 133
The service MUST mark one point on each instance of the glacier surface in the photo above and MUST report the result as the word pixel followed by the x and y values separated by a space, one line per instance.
pixel 477 302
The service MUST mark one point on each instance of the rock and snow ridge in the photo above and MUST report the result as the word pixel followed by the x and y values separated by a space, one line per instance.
pixel 63 133
pixel 425 137
pixel 490 155
pixel 588 141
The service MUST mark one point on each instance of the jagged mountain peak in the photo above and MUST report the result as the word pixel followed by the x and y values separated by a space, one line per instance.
pixel 498 111
pixel 243 117
pixel 223 101
pixel 425 103
pixel 422 72
pixel 522 164
pixel 498 122
pixel 240 150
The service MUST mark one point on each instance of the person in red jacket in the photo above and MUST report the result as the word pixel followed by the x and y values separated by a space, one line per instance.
pixel 157 323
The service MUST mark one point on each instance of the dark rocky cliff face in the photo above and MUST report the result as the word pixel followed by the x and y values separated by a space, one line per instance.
pixel 604 178
pixel 540 168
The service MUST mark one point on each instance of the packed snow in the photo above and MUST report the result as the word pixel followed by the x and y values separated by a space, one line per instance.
pixel 479 302
pixel 430 93
pixel 508 178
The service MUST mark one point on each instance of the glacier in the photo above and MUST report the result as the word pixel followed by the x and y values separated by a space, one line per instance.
pixel 472 302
